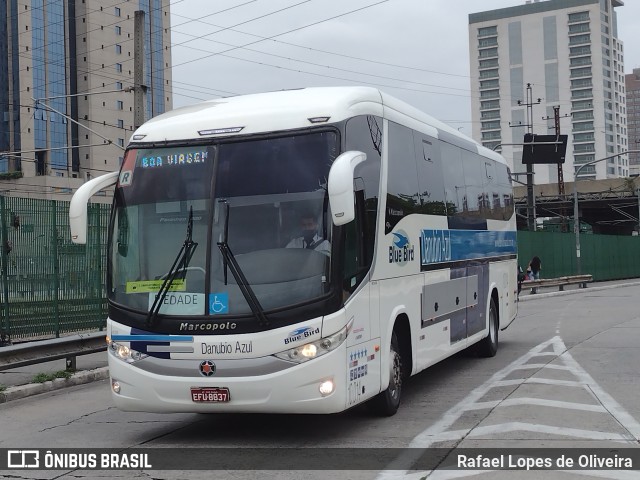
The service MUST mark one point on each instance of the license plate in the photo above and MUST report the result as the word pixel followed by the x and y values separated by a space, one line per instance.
pixel 210 394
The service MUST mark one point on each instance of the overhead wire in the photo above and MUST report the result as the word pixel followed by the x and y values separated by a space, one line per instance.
pixel 272 38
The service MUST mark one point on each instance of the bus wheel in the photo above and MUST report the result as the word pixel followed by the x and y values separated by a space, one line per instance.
pixel 386 403
pixel 488 346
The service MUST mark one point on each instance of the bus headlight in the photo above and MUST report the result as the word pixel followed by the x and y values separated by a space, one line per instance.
pixel 315 349
pixel 124 352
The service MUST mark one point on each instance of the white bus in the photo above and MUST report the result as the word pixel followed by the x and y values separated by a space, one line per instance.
pixel 300 251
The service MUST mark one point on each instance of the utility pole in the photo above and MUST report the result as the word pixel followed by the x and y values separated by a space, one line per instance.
pixel 140 90
pixel 556 119
pixel 531 208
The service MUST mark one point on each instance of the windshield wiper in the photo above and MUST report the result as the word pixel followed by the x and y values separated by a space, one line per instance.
pixel 231 263
pixel 180 264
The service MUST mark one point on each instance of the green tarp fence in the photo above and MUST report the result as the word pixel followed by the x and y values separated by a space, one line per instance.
pixel 606 257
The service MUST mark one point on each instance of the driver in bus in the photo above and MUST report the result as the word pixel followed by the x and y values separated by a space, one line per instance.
pixel 310 237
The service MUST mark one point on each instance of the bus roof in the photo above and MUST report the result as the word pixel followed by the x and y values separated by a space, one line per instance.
pixel 289 110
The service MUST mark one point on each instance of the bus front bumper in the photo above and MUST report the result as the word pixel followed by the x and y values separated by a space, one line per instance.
pixel 292 390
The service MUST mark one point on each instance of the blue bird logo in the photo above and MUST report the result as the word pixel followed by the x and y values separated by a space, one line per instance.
pixel 299 331
pixel 400 240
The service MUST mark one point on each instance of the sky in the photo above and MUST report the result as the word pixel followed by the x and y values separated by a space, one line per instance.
pixel 416 50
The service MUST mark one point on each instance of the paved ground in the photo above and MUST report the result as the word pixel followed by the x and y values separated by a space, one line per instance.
pixel 24 375
pixel 18 383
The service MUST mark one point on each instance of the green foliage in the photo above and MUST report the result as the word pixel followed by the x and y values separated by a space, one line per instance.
pixel 2 387
pixel 11 175
pixel 47 377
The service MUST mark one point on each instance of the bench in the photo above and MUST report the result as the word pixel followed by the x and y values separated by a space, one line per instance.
pixel 559 282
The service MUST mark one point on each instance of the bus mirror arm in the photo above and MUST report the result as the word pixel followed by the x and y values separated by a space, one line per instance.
pixel 78 205
pixel 340 186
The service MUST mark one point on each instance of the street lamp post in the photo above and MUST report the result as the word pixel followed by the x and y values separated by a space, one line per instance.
pixel 576 220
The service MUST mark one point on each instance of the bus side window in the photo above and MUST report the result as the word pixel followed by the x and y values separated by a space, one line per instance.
pixel 430 177
pixel 356 263
pixel 403 193
pixel 363 133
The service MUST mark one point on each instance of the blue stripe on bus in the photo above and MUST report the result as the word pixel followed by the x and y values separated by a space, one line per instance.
pixel 441 246
pixel 152 338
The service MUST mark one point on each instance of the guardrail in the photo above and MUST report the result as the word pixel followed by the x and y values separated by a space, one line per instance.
pixel 41 351
pixel 560 282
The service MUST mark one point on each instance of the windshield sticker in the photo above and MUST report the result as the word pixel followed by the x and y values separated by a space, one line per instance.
pixel 178 158
pixel 125 178
pixel 152 286
pixel 218 303
pixel 180 303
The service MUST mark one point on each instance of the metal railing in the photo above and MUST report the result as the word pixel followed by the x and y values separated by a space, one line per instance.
pixel 69 348
pixel 49 286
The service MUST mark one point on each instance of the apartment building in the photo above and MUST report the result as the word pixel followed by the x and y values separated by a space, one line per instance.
pixel 570 54
pixel 66 72
pixel 632 83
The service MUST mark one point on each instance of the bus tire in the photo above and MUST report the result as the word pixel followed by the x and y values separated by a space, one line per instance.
pixel 386 403
pixel 488 346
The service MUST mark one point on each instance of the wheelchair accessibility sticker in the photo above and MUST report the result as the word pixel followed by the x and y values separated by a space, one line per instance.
pixel 218 303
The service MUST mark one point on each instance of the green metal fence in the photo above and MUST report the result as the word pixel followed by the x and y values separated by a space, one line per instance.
pixel 49 285
pixel 606 257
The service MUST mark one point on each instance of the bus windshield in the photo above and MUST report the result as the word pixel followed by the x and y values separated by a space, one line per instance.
pixel 263 199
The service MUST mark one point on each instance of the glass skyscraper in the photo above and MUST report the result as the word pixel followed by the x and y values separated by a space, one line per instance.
pixel 75 57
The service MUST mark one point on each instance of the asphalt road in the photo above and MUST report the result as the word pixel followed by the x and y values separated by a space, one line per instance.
pixel 565 376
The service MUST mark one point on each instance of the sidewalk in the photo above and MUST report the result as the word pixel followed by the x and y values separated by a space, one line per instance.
pixel 18 383
pixel 544 292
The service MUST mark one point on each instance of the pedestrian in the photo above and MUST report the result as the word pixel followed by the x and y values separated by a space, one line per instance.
pixel 521 278
pixel 533 270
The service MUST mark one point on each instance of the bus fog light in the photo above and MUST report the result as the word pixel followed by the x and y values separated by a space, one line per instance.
pixel 115 386
pixel 326 388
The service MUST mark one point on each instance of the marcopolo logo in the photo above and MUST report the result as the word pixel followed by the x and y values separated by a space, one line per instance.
pixel 401 251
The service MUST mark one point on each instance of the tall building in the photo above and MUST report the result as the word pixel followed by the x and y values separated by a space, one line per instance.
pixel 570 54
pixel 632 83
pixel 66 60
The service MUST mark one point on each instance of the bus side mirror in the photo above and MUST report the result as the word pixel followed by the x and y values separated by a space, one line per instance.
pixel 78 205
pixel 340 186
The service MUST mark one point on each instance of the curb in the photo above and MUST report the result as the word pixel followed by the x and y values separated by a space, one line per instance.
pixel 78 378
pixel 535 296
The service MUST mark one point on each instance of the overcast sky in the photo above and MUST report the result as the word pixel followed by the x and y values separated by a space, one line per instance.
pixel 417 50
